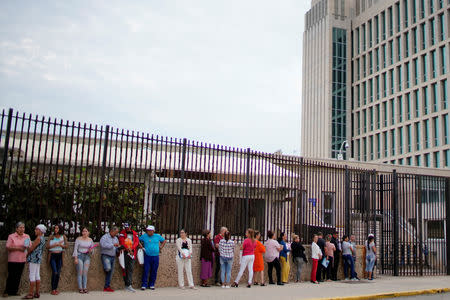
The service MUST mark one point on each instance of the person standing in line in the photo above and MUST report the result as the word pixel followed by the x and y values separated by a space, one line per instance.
pixel 153 244
pixel 371 255
pixel 34 259
pixel 82 258
pixel 258 265
pixel 329 253
pixel 217 239
pixel 248 258
pixel 271 256
pixel 347 251
pixel 353 242
pixel 316 255
pixel 183 259
pixel 336 255
pixel 285 267
pixel 226 249
pixel 128 239
pixel 16 245
pixel 56 244
pixel 298 256
pixel 320 268
pixel 109 244
pixel 206 257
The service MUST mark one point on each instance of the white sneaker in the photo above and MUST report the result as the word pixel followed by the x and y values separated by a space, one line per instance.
pixel 130 289
pixel 223 286
pixel 354 279
pixel 143 288
pixel 346 279
pixel 227 286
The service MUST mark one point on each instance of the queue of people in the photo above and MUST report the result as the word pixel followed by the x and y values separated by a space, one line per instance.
pixel 126 245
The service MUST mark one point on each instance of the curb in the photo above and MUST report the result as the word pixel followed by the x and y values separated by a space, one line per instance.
pixel 391 295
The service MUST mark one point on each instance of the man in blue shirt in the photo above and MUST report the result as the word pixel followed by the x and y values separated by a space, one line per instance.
pixel 153 244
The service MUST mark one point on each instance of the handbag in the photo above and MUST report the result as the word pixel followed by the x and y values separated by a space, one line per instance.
pixel 140 256
pixel 122 259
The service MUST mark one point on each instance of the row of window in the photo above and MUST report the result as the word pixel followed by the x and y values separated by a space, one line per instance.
pixel 402 77
pixel 428 133
pixel 391 52
pixel 395 18
pixel 402 108
pixel 429 160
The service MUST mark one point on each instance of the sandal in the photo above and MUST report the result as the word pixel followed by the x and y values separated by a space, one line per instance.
pixel 29 296
pixel 81 291
pixel 37 295
pixel 86 291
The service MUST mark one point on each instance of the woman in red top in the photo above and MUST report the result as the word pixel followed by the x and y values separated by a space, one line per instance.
pixel 248 257
pixel 258 265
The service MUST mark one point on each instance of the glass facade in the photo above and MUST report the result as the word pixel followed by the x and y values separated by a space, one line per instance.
pixel 338 94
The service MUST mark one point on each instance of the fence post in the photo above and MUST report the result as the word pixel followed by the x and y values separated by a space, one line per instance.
pixel 102 178
pixel 5 151
pixel 181 199
pixel 247 192
pixel 447 223
pixel 347 202
pixel 383 262
pixel 396 229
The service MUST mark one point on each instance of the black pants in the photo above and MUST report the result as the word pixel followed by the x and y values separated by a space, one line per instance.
pixel 56 264
pixel 275 263
pixel 14 274
pixel 330 268
pixel 217 271
pixel 334 271
pixel 128 272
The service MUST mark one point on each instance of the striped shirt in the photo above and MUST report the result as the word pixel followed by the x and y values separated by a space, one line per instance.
pixel 226 248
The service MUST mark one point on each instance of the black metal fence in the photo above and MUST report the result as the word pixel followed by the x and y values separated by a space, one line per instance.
pixel 78 174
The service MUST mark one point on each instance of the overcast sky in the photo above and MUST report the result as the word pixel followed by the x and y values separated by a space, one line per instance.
pixel 224 72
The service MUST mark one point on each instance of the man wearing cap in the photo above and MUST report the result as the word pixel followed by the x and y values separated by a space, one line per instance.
pixel 153 243
pixel 129 241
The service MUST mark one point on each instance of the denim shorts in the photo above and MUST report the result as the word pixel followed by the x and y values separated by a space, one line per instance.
pixel 370 263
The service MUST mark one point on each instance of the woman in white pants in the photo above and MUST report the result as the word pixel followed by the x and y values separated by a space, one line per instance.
pixel 248 257
pixel 183 259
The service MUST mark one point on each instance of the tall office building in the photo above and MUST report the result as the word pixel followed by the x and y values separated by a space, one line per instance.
pixel 376 73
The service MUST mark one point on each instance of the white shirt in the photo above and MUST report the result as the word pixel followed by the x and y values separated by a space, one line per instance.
pixel 315 251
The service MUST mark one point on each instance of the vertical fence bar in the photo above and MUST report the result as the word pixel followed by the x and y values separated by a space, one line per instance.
pixel 247 187
pixel 396 228
pixel 447 218
pixel 181 199
pixel 347 201
pixel 5 153
pixel 102 177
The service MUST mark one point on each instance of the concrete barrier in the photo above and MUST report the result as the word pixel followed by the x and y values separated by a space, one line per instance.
pixel 167 272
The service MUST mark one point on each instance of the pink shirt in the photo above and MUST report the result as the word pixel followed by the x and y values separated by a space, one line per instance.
pixel 272 252
pixel 248 247
pixel 15 240
pixel 329 249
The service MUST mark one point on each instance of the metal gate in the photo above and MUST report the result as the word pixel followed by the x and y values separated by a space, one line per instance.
pixel 407 215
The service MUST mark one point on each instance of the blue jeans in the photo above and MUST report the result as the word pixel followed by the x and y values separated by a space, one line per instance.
pixel 55 264
pixel 225 269
pixel 370 262
pixel 84 260
pixel 108 266
pixel 348 263
pixel 151 264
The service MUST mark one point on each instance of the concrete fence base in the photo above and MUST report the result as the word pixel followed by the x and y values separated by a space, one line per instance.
pixel 167 272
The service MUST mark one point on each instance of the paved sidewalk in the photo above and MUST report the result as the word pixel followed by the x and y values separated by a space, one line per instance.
pixel 306 290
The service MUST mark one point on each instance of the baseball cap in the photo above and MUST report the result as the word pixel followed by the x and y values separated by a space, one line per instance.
pixel 150 228
pixel 371 235
pixel 126 225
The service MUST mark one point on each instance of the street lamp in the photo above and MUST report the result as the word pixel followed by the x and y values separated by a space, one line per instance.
pixel 344 145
